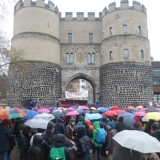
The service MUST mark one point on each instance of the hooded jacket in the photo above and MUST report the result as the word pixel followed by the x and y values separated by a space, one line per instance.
pixel 60 129
pixel 95 132
pixel 24 143
pixel 89 124
pixel 120 126
pixel 5 139
pixel 35 152
pixel 83 143
pixel 60 142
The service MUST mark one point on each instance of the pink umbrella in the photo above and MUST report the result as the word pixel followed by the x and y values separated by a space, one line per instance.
pixel 120 111
pixel 72 113
pixel 84 107
pixel 71 109
pixel 141 114
pixel 44 110
pixel 143 109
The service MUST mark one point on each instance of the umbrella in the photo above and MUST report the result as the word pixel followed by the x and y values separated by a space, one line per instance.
pixel 75 107
pixel 80 111
pixel 84 107
pixel 30 114
pixel 93 108
pixel 140 114
pixel 51 108
pixel 57 110
pixel 135 110
pixel 128 119
pixel 139 107
pixel 12 113
pixel 103 109
pixel 93 116
pixel 130 107
pixel 72 113
pixel 1 108
pixel 44 116
pixel 151 110
pixel 120 111
pixel 138 141
pixel 44 110
pixel 110 113
pixel 70 109
pixel 58 114
pixel 153 116
pixel 114 108
pixel 145 120
pixel 37 123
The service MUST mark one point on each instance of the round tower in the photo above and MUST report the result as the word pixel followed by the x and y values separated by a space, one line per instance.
pixel 36 37
pixel 126 73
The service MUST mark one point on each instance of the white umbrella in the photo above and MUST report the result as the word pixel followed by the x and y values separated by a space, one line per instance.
pixel 137 140
pixel 46 116
pixel 37 123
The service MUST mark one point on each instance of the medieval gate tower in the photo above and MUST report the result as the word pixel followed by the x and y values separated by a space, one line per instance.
pixel 112 52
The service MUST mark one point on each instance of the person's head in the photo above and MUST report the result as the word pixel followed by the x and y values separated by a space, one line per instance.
pixel 110 125
pixel 120 119
pixel 51 127
pixel 81 131
pixel 26 131
pixel 4 122
pixel 155 125
pixel 60 120
pixel 150 156
pixel 137 126
pixel 37 140
pixel 72 121
pixel 34 131
pixel 59 140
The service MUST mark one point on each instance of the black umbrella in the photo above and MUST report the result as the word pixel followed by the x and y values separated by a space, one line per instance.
pixel 151 110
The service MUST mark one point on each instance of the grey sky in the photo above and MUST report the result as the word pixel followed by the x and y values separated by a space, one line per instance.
pixel 153 12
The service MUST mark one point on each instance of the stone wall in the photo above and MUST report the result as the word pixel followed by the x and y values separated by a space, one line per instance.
pixel 125 83
pixel 40 81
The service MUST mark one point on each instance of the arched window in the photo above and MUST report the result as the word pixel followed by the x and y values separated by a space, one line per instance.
pixel 69 58
pixel 124 28
pixel 90 37
pixel 91 58
pixel 125 53
pixel 141 54
pixel 111 55
pixel 139 30
pixel 111 30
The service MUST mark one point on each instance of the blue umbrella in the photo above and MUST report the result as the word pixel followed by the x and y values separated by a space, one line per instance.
pixel 80 111
pixel 30 114
pixel 75 107
pixel 93 116
pixel 103 109
pixel 128 119
pixel 135 110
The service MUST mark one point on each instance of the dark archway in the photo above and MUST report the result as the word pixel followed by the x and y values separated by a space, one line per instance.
pixel 85 77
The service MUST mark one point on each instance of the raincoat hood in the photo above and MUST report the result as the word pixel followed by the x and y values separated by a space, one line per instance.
pixel 81 131
pixel 88 122
pixel 59 140
pixel 37 140
pixel 50 125
pixel 96 125
pixel 26 130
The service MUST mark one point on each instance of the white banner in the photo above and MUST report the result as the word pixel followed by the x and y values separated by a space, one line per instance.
pixel 83 94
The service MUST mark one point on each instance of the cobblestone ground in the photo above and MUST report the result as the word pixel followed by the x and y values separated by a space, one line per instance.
pixel 15 153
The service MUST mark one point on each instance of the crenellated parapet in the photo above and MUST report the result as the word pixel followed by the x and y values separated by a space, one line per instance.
pixel 38 3
pixel 80 17
pixel 124 5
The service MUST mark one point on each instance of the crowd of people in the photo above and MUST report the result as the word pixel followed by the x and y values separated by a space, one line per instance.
pixel 73 138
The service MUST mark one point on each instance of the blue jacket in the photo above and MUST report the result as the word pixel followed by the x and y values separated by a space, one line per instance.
pixel 5 139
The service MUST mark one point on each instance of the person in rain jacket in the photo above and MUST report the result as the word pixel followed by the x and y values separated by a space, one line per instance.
pixel 60 142
pixel 25 143
pixel 5 141
pixel 89 131
pixel 49 138
pixel 110 142
pixel 156 131
pixel 83 143
pixel 60 129
pixel 97 146
pixel 35 152
pixel 138 120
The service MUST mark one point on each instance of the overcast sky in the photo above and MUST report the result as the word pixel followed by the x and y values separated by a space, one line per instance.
pixel 153 12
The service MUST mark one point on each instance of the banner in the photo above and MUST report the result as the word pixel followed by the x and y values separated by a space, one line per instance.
pixel 83 94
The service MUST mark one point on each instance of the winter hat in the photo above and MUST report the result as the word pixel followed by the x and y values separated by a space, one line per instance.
pixel 111 124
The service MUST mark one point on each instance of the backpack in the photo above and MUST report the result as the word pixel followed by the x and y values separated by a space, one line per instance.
pixel 101 136
pixel 57 154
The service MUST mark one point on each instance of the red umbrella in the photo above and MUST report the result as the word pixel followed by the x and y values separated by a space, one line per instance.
pixel 110 113
pixel 72 113
pixel 114 108
pixel 120 111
